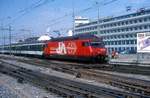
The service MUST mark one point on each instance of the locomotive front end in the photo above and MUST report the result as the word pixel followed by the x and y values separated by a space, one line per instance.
pixel 99 51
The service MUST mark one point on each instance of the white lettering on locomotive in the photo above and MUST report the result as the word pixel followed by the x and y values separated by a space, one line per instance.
pixel 69 48
pixel 61 48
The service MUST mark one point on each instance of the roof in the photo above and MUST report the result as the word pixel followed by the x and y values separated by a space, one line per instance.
pixel 75 37
pixel 43 38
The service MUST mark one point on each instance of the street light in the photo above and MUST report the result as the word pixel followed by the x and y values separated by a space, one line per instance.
pixel 3 34
pixel 98 16
pixel 73 16
pixel 9 29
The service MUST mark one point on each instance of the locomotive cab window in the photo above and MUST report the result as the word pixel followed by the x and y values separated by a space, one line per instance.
pixel 97 44
pixel 85 44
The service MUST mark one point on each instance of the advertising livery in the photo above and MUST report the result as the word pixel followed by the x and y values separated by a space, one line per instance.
pixel 143 42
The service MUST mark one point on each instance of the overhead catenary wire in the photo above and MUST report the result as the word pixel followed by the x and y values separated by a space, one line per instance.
pixel 59 19
pixel 25 11
pixel 55 21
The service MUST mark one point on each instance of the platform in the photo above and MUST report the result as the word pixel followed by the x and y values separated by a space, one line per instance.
pixel 132 59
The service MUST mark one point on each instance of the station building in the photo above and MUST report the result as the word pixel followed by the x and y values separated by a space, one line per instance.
pixel 119 33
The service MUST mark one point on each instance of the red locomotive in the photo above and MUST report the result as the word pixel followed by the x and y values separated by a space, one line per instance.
pixel 81 46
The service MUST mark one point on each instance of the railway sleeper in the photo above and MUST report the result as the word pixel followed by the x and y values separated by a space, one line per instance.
pixel 130 88
pixel 30 76
pixel 63 89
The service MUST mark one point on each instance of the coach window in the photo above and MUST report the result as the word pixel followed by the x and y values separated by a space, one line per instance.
pixel 32 47
pixel 41 47
pixel 36 47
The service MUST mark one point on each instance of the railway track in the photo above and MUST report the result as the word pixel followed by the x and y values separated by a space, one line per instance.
pixel 124 82
pixel 55 64
pixel 65 87
pixel 127 83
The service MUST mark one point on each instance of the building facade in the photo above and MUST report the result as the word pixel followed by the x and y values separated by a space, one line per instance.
pixel 119 33
pixel 80 20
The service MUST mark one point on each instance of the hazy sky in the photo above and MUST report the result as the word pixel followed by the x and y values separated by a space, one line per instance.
pixel 37 15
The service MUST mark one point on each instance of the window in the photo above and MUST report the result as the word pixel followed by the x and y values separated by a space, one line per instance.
pixel 140 20
pixel 132 41
pixel 111 37
pixel 119 42
pixel 85 44
pixel 135 28
pixel 135 35
pixel 131 22
pixel 135 21
pixel 145 27
pixel 127 36
pixel 108 31
pixel 140 27
pixel 107 37
pixel 131 35
pixel 127 29
pixel 112 42
pixel 145 19
pixel 131 29
pixel 122 23
pixel 127 42
pixel 115 42
pixel 97 44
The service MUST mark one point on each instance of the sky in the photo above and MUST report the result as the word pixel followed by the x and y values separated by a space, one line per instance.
pixel 29 18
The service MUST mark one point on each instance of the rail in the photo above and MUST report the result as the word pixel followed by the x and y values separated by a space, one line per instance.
pixel 67 88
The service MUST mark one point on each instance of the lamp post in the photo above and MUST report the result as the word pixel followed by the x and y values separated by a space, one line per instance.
pixel 98 16
pixel 73 17
pixel 9 29
pixel 3 35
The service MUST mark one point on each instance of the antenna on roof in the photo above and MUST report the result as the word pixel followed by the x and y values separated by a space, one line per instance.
pixel 128 8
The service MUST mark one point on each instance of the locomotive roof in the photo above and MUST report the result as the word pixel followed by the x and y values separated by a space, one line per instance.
pixel 75 37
